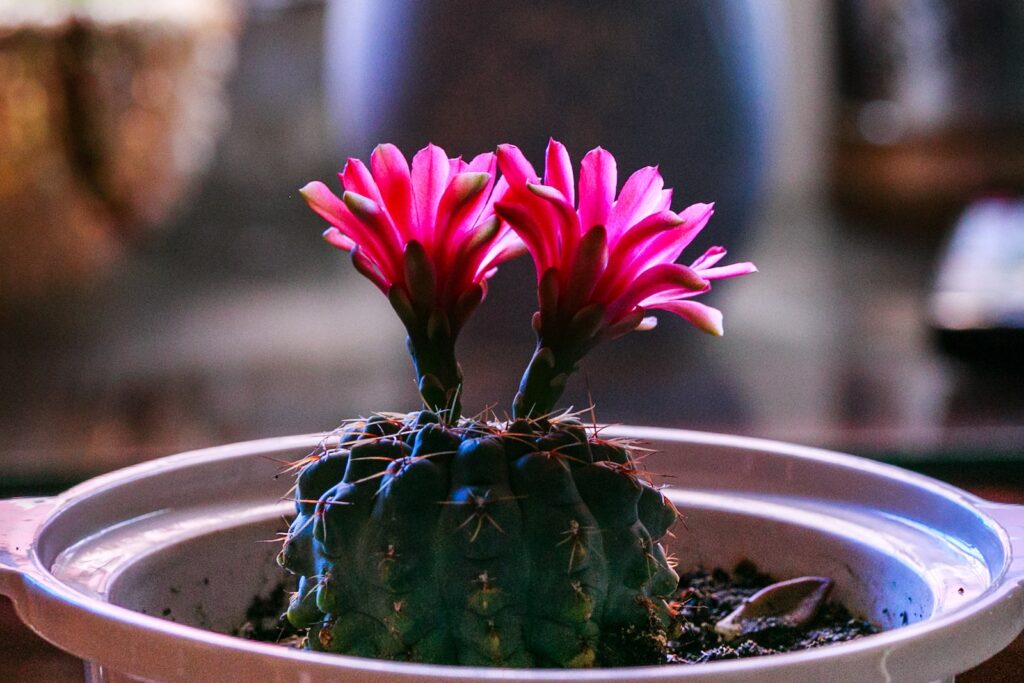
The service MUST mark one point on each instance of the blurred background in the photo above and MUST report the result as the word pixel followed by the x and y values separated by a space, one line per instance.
pixel 163 286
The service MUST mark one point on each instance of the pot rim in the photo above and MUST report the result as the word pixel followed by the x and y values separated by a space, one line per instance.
pixel 31 575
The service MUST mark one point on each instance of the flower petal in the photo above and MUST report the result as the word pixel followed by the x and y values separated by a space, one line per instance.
pixel 515 167
pixel 335 238
pixel 631 241
pixel 333 210
pixel 420 277
pixel 568 223
pixel 699 213
pixel 369 269
pixel 461 203
pixel 640 197
pixel 697 314
pixel 624 325
pixel 666 200
pixel 499 191
pixel 535 239
pixel 380 238
pixel 518 171
pixel 649 322
pixel 391 171
pixel 625 262
pixel 598 176
pixel 325 203
pixel 429 180
pixel 484 163
pixel 709 258
pixel 590 261
pixel 466 304
pixel 507 246
pixel 731 270
pixel 667 247
pixel 357 178
pixel 670 294
pixel 456 165
pixel 558 171
pixel 652 281
pixel 469 254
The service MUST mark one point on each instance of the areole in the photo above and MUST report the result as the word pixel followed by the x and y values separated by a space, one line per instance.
pixel 137 570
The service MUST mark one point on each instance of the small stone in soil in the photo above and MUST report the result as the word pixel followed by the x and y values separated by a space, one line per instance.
pixel 706 597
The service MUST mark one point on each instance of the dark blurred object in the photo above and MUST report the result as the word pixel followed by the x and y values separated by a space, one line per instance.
pixel 238 322
pixel 931 107
pixel 977 308
pixel 682 85
pixel 107 111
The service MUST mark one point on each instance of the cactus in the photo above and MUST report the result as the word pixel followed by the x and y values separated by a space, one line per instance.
pixel 526 544
pixel 429 537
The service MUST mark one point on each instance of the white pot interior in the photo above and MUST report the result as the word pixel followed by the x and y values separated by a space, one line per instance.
pixel 197 544
pixel 190 540
pixel 209 580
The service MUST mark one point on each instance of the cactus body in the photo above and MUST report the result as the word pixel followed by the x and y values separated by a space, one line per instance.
pixel 530 544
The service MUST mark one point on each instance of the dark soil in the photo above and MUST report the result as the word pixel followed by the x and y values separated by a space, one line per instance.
pixel 265 621
pixel 704 598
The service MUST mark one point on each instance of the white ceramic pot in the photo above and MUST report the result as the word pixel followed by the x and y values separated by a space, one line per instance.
pixel 132 570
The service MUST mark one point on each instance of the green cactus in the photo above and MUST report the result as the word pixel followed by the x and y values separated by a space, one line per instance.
pixel 525 544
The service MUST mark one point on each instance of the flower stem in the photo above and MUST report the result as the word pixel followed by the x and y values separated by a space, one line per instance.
pixel 438 374
pixel 544 380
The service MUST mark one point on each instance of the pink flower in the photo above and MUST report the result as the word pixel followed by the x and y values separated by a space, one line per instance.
pixel 429 231
pixel 616 254
pixel 429 239
pixel 602 262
